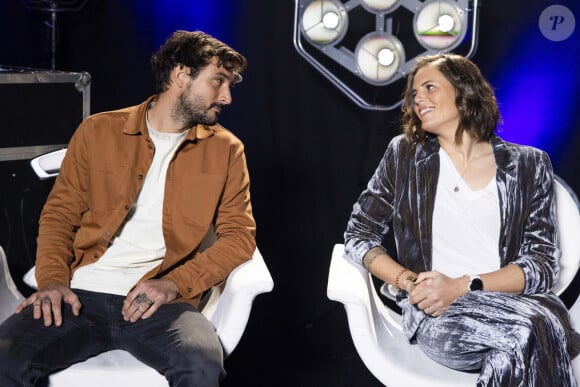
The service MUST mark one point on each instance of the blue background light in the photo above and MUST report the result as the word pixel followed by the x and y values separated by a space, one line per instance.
pixel 536 85
pixel 217 17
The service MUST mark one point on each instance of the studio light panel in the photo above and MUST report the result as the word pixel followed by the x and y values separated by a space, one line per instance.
pixel 333 34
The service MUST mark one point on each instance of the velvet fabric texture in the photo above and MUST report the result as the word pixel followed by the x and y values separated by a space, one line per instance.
pixel 401 195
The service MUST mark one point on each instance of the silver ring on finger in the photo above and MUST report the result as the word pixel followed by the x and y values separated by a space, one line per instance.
pixel 149 302
pixel 46 300
pixel 141 297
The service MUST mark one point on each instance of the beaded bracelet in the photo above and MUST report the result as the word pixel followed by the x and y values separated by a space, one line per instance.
pixel 398 277
pixel 411 277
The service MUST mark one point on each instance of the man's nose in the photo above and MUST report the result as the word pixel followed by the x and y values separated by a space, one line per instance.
pixel 225 97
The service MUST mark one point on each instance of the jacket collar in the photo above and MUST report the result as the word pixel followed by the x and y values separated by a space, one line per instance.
pixel 430 147
pixel 136 123
pixel 504 157
pixel 427 164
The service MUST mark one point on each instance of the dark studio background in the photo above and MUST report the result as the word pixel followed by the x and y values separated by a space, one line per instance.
pixel 310 149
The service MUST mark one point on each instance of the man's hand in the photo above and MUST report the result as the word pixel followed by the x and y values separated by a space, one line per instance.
pixel 47 303
pixel 147 297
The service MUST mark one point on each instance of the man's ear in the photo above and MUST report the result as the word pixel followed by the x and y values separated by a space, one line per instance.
pixel 179 75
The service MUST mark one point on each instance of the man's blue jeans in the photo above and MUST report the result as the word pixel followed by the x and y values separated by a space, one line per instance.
pixel 177 341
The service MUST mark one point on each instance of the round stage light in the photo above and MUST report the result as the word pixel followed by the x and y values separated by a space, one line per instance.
pixel 379 5
pixel 440 25
pixel 324 22
pixel 446 23
pixel 378 57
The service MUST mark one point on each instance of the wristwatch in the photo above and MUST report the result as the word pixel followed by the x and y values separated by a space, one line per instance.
pixel 475 283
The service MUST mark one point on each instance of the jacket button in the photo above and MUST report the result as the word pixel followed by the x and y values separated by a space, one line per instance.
pixel 127 207
pixel 190 290
pixel 140 177
pixel 107 234
pixel 96 256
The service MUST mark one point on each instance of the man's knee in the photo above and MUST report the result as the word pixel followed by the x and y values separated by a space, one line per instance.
pixel 198 356
pixel 193 333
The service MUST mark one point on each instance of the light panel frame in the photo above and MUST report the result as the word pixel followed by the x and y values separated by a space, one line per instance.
pixel 360 87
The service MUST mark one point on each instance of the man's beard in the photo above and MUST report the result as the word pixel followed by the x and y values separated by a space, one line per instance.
pixel 191 111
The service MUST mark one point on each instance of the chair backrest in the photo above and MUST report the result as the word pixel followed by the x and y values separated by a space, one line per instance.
pixel 10 297
pixel 568 216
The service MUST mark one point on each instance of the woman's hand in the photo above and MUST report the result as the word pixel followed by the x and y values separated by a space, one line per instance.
pixel 433 292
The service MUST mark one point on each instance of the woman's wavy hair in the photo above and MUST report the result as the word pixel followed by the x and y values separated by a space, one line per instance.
pixel 194 50
pixel 475 100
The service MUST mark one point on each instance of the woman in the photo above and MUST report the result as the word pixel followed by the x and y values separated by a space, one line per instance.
pixel 474 225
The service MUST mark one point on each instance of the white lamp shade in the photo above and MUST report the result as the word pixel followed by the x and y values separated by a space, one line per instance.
pixel 324 22
pixel 379 5
pixel 440 25
pixel 378 57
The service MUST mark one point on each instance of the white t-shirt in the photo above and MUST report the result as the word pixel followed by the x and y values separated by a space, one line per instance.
pixel 139 245
pixel 466 224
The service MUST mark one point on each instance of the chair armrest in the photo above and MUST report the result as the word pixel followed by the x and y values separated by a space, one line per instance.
pixel 228 307
pixel 29 278
pixel 347 282
pixel 351 285
pixel 377 333
pixel 48 165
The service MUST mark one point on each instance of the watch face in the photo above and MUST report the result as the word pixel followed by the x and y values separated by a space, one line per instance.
pixel 476 284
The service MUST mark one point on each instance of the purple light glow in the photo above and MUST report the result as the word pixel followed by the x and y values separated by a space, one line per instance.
pixel 536 90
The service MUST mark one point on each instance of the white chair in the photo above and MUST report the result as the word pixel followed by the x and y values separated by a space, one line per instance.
pixel 10 297
pixel 377 331
pixel 48 165
pixel 228 308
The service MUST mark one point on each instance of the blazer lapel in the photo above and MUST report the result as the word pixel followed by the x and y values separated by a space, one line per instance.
pixel 427 160
pixel 506 182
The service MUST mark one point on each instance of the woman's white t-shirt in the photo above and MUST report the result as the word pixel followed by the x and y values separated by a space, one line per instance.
pixel 466 224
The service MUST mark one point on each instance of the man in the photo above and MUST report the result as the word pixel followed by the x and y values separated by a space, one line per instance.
pixel 119 260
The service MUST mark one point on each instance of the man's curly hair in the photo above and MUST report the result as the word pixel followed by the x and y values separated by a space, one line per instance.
pixel 194 50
